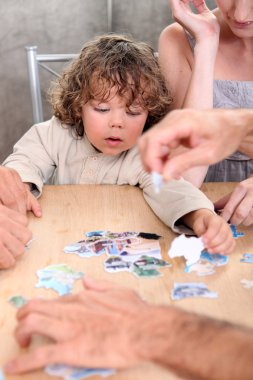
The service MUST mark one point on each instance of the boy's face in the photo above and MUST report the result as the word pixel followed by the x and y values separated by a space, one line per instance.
pixel 111 126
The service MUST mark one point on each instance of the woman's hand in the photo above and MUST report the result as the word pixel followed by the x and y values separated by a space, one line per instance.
pixel 201 25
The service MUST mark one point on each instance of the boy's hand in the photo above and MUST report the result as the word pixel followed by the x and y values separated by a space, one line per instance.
pixel 16 195
pixel 214 231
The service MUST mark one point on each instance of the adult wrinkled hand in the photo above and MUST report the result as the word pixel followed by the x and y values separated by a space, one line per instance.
pixel 99 327
pixel 14 234
pixel 237 207
pixel 205 132
pixel 15 194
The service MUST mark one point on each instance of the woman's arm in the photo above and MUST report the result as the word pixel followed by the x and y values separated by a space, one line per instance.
pixel 190 74
pixel 175 59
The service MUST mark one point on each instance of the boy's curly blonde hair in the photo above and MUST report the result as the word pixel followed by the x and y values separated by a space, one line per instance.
pixel 111 60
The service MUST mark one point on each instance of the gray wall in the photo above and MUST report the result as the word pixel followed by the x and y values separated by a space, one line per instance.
pixel 58 26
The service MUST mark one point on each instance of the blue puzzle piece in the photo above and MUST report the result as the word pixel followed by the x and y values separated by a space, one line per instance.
pixel 215 258
pixel 235 233
pixel 75 373
pixel 59 277
pixel 247 258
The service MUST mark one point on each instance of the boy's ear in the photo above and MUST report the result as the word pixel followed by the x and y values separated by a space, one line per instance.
pixel 79 112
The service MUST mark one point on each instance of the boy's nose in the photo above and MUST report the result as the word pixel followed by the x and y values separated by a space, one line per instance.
pixel 117 120
pixel 243 10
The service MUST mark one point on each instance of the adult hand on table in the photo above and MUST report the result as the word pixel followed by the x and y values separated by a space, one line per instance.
pixel 15 194
pixel 14 234
pixel 99 327
pixel 237 206
pixel 110 326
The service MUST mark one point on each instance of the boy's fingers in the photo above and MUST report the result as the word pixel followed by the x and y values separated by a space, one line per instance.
pixel 218 237
pixel 223 248
pixel 214 231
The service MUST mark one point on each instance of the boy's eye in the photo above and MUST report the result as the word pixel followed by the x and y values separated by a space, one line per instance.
pixel 101 109
pixel 134 111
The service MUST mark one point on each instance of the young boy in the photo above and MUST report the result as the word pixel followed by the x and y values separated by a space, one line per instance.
pixel 102 103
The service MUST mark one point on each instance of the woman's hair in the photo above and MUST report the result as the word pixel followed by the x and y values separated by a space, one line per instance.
pixel 111 61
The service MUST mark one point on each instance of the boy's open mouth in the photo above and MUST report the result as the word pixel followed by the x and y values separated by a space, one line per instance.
pixel 113 141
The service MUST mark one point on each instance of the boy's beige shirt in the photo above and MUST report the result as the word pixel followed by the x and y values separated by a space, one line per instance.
pixel 50 153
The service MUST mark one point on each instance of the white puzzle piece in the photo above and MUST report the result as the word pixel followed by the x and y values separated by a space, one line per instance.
pixel 188 247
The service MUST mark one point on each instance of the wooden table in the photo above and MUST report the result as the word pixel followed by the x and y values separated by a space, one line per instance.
pixel 68 212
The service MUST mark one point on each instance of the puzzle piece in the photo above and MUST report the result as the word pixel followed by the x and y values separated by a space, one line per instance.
pixel 17 301
pixel 236 234
pixel 247 258
pixel 207 263
pixel 247 284
pixel 158 182
pixel 1 375
pixel 74 373
pixel 202 268
pixel 58 277
pixel 188 247
pixel 191 289
pixel 215 258
pixel 145 266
